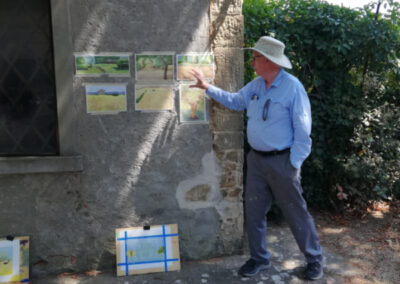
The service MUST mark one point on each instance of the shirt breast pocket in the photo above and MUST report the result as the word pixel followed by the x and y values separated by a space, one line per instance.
pixel 252 109
pixel 278 109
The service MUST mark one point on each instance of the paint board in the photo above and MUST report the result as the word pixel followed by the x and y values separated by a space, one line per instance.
pixel 154 97
pixel 95 65
pixel 202 62
pixel 105 98
pixel 14 260
pixel 141 250
pixel 192 104
pixel 154 66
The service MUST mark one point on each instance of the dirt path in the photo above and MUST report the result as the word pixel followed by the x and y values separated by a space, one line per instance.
pixel 370 243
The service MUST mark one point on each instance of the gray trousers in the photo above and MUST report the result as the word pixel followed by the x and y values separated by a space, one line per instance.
pixel 274 178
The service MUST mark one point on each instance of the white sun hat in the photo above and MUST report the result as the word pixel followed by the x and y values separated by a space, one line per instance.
pixel 273 50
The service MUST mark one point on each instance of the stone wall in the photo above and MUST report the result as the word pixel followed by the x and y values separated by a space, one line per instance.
pixel 226 38
pixel 138 168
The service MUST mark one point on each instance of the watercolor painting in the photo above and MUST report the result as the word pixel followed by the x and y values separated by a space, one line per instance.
pixel 105 98
pixel 192 104
pixel 202 62
pixel 14 260
pixel 154 67
pixel 153 98
pixel 148 249
pixel 98 65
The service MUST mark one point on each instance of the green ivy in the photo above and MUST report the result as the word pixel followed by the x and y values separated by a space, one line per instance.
pixel 348 61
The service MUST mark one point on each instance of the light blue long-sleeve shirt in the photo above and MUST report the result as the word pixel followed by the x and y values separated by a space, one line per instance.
pixel 288 116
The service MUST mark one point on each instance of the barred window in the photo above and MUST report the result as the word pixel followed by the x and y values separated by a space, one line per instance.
pixel 28 108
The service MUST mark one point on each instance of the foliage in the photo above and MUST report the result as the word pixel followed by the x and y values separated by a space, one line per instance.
pixel 153 61
pixel 348 61
pixel 123 64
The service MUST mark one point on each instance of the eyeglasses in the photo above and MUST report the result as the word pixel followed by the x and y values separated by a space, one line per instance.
pixel 265 110
pixel 255 57
pixel 258 56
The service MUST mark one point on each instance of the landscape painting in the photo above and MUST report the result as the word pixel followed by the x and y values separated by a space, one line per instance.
pixel 98 65
pixel 153 98
pixel 147 249
pixel 105 98
pixel 192 104
pixel 14 260
pixel 202 62
pixel 154 67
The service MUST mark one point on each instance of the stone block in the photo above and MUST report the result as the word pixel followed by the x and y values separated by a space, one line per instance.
pixel 235 156
pixel 228 122
pixel 230 68
pixel 228 140
pixel 227 31
pixel 226 7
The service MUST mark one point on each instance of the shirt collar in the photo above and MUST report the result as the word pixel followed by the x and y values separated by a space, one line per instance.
pixel 278 78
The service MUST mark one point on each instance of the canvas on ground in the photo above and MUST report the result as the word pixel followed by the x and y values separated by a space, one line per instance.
pixel 14 260
pixel 142 250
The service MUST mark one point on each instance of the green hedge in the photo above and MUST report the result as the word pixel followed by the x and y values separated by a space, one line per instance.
pixel 348 61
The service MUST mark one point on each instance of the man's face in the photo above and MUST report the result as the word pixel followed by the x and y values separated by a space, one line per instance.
pixel 260 63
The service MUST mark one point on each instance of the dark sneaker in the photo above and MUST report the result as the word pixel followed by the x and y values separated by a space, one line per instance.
pixel 314 271
pixel 252 267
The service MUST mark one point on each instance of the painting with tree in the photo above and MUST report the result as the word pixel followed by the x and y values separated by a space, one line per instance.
pixel 192 104
pixel 154 67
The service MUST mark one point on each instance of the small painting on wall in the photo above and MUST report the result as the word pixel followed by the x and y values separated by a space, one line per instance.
pixel 14 260
pixel 191 104
pixel 202 62
pixel 105 98
pixel 154 67
pixel 111 64
pixel 154 97
pixel 147 249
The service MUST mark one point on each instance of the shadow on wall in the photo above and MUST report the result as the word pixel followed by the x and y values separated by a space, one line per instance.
pixel 134 161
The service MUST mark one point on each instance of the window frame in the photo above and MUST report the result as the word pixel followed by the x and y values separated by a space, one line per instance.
pixel 69 160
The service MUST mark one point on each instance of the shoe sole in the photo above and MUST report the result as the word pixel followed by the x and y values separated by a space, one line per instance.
pixel 261 268
pixel 319 276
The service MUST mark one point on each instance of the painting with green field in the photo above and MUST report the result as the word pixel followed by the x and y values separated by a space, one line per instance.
pixel 98 65
pixel 14 260
pixel 191 104
pixel 153 98
pixel 202 62
pixel 154 67
pixel 106 98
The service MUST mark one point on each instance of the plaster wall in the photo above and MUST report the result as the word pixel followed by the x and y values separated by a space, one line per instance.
pixel 138 168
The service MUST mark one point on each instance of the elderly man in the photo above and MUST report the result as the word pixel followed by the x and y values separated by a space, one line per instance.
pixel 278 130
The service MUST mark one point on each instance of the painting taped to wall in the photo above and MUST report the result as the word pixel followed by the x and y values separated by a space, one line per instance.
pixel 202 62
pixel 14 260
pixel 105 98
pixel 154 67
pixel 154 97
pixel 146 250
pixel 111 64
pixel 192 104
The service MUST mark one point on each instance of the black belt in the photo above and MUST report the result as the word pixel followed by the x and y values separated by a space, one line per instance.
pixel 272 153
